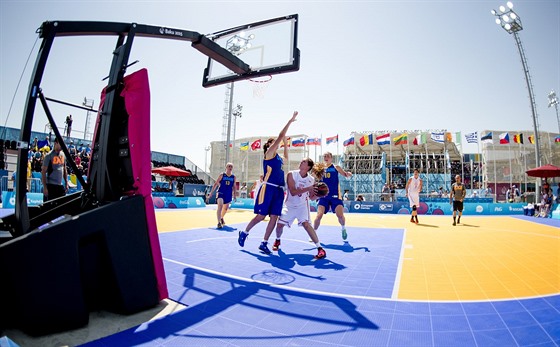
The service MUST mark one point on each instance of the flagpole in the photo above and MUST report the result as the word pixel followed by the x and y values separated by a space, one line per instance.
pixel 391 159
pixel 337 147
pixel 509 157
pixel 355 171
pixel 427 163
pixel 479 159
pixel 495 176
pixel 372 173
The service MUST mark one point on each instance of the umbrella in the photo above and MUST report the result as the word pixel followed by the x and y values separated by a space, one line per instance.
pixel 170 171
pixel 544 171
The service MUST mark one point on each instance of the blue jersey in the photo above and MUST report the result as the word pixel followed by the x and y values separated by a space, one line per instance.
pixel 225 190
pixel 273 172
pixel 330 177
pixel 271 194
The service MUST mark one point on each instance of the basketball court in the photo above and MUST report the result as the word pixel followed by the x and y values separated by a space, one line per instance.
pixel 489 281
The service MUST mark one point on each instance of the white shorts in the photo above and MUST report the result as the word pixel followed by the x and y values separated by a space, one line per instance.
pixel 301 213
pixel 414 199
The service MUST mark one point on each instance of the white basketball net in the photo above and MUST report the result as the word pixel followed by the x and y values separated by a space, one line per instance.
pixel 260 84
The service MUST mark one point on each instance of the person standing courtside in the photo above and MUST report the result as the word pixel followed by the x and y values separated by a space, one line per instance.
pixel 333 200
pixel 413 189
pixel 53 171
pixel 68 125
pixel 271 194
pixel 227 189
pixel 458 193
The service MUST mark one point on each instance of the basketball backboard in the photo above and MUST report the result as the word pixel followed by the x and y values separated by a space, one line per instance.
pixel 269 47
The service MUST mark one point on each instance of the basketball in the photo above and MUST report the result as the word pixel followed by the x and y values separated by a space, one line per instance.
pixel 322 189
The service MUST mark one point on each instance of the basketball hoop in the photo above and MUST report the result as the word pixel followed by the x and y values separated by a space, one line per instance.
pixel 260 84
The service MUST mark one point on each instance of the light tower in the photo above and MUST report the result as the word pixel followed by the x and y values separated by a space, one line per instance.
pixel 236 44
pixel 510 22
pixel 553 101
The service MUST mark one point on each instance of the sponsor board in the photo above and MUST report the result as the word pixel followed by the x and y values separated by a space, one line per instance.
pixel 9 199
pixel 177 202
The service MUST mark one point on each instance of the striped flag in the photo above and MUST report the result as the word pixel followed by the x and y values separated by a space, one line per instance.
pixel 472 137
pixel 366 140
pixel 287 143
pixel 420 139
pixel 333 139
pixel 348 142
pixel 557 140
pixel 487 138
pixel 401 139
pixel 531 139
pixel 384 139
pixel 313 141
pixel 518 138
pixel 299 142
pixel 244 146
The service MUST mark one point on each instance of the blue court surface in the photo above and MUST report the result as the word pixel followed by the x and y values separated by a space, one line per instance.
pixel 240 297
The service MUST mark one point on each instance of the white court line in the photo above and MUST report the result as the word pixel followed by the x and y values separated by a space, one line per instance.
pixel 398 274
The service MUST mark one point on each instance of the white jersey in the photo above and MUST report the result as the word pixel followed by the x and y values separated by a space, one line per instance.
pixel 299 182
pixel 414 186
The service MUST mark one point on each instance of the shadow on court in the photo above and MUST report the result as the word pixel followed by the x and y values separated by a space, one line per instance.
pixel 231 300
pixel 345 247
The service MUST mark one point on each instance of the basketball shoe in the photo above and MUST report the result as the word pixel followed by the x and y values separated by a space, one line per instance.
pixel 242 237
pixel 320 253
pixel 276 245
pixel 264 248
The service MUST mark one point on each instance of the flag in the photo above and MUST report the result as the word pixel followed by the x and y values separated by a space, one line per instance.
pixel 504 138
pixel 401 139
pixel 486 138
pixel 244 146
pixel 531 139
pixel 438 137
pixel 348 142
pixel 333 139
pixel 300 142
pixel 313 141
pixel 366 140
pixel 384 139
pixel 458 137
pixel 472 137
pixel 448 137
pixel 256 145
pixel 287 144
pixel 556 140
pixel 518 138
pixel 420 139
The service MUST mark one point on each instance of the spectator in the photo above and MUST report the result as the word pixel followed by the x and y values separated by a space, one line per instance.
pixel 68 125
pixel 345 195
pixel 53 171
pixel 360 198
pixel 385 193
pixel 243 191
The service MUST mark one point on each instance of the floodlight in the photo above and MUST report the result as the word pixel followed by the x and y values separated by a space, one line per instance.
pixel 502 9
pixel 509 5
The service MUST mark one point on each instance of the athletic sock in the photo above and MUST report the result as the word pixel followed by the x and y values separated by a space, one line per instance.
pixel 318 244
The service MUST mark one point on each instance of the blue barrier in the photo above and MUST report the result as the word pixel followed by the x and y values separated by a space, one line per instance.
pixel 9 199
pixel 178 202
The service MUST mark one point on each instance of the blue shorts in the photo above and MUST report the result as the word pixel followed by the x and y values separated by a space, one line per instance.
pixel 226 197
pixel 269 201
pixel 329 201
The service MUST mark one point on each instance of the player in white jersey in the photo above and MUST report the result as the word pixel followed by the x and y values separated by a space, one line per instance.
pixel 413 189
pixel 300 190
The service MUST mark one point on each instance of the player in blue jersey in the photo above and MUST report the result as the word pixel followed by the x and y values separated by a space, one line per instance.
pixel 333 200
pixel 270 196
pixel 227 191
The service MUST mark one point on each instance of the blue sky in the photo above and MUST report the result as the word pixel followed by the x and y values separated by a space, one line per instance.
pixel 365 66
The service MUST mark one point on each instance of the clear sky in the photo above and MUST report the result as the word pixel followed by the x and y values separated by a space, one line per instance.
pixel 365 66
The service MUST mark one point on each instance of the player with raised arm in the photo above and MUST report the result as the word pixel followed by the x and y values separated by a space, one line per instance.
pixel 271 194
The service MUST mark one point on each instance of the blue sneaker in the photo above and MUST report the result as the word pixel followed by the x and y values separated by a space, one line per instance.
pixel 344 234
pixel 264 248
pixel 242 237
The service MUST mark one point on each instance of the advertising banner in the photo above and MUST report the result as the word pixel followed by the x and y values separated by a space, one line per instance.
pixel 9 199
pixel 178 202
